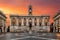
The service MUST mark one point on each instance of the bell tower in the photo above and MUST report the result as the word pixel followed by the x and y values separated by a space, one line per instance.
pixel 30 10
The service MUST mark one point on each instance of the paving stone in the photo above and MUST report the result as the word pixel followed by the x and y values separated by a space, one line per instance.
pixel 27 36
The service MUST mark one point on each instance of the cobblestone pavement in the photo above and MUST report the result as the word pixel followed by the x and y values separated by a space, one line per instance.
pixel 27 36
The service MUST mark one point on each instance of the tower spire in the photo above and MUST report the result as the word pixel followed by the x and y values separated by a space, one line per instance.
pixel 30 8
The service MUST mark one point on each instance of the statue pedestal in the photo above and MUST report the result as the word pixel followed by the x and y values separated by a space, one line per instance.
pixel 30 32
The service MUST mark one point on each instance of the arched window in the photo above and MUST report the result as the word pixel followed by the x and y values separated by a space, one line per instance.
pixel 13 22
pixel 20 21
pixel 46 21
pixel 30 20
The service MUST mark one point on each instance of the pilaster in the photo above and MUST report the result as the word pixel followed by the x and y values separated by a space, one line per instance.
pixel 33 22
pixel 27 22
pixel 2 25
pixel 59 22
pixel 37 21
pixel 10 24
pixel 22 22
pixel 17 21
pixel 43 21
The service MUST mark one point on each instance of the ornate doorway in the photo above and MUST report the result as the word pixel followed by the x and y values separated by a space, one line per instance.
pixel 30 24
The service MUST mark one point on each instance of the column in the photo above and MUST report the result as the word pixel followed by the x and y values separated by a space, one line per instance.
pixel 16 25
pixel 27 22
pixel 22 25
pixel 10 24
pixel 37 27
pixel 33 27
pixel 2 25
pixel 11 27
pixel 48 21
pixel 5 29
pixel 48 24
pixel 22 22
pixel 43 21
pixel 10 21
pixel 43 27
pixel 37 21
pixel 59 22
pixel 56 25
pixel 17 21
pixel 32 21
pixel 5 26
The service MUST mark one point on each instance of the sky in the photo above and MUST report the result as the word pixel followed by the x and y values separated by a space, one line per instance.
pixel 39 7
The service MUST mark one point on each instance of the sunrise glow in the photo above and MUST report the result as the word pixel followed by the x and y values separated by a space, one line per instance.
pixel 21 7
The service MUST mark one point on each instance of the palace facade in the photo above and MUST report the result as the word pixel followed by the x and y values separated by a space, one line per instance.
pixel 29 22
pixel 57 21
pixel 2 22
